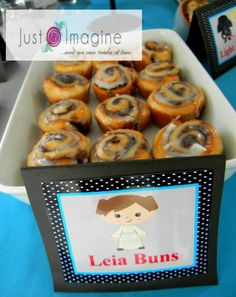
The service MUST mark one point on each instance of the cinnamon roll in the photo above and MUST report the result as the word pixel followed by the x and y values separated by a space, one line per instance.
pixel 65 86
pixel 155 75
pixel 98 64
pixel 122 112
pixel 191 138
pixel 176 100
pixel 118 145
pixel 191 6
pixel 153 52
pixel 74 67
pixel 61 147
pixel 66 115
pixel 113 79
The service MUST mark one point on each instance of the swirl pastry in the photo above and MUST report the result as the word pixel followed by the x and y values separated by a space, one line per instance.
pixel 191 6
pixel 122 112
pixel 176 100
pixel 65 86
pixel 191 138
pixel 98 64
pixel 61 147
pixel 74 67
pixel 155 75
pixel 113 79
pixel 67 114
pixel 153 52
pixel 118 145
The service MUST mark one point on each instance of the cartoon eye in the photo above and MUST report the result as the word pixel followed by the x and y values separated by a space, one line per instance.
pixel 138 214
pixel 117 216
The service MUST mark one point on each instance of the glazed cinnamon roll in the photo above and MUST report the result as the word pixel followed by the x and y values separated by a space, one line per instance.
pixel 74 67
pixel 113 79
pixel 61 147
pixel 122 112
pixel 155 75
pixel 191 138
pixel 65 86
pixel 153 52
pixel 118 145
pixel 67 114
pixel 98 64
pixel 176 100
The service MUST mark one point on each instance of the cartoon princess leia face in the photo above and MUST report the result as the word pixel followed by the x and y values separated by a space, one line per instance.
pixel 127 211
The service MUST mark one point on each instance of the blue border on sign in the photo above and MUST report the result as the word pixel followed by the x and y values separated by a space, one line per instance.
pixel 60 196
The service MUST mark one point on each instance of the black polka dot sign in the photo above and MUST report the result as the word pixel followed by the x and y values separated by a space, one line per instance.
pixel 208 181
pixel 214 25
pixel 203 177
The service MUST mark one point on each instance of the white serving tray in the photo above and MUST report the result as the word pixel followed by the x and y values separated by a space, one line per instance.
pixel 22 131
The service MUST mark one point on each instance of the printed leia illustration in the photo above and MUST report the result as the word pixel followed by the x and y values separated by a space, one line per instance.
pixel 127 211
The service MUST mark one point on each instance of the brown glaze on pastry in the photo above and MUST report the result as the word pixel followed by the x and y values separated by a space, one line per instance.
pixel 66 115
pixel 61 147
pixel 74 67
pixel 123 112
pixel 191 138
pixel 176 100
pixel 119 145
pixel 153 52
pixel 155 75
pixel 113 79
pixel 98 64
pixel 66 86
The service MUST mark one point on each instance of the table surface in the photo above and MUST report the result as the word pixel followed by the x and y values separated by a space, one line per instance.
pixel 24 265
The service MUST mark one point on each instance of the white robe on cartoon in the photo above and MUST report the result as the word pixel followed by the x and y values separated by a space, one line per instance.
pixel 129 237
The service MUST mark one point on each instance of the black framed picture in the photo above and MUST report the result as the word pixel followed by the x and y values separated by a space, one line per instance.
pixel 213 31
pixel 129 225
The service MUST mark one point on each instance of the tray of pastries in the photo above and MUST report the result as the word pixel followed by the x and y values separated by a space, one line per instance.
pixel 74 112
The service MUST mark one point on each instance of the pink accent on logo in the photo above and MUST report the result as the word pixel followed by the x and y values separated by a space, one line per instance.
pixel 53 36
